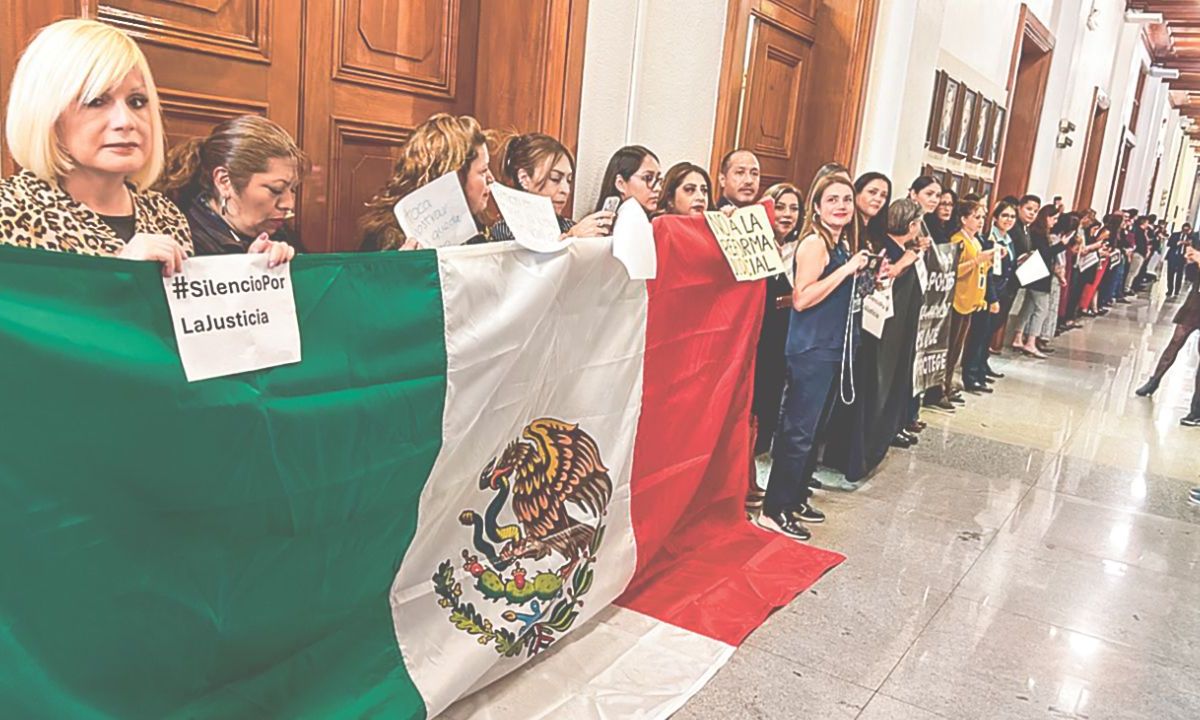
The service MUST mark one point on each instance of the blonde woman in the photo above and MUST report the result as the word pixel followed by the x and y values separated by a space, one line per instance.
pixel 818 325
pixel 442 144
pixel 84 124
pixel 237 187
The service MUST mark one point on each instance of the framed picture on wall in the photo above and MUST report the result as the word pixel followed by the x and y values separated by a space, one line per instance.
pixel 966 117
pixel 979 130
pixel 945 110
pixel 996 131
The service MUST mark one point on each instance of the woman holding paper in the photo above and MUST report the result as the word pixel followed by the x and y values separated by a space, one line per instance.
pixel 1036 310
pixel 237 188
pixel 632 172
pixel 820 340
pixel 970 287
pixel 84 123
pixel 977 373
pixel 441 145
pixel 541 165
pixel 688 191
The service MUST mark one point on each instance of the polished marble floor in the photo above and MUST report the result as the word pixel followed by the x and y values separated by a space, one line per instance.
pixel 1033 557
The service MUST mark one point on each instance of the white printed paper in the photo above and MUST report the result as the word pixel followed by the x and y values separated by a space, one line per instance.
pixel 531 219
pixel 787 253
pixel 436 215
pixel 997 260
pixel 633 241
pixel 1032 270
pixel 922 272
pixel 1088 261
pixel 875 314
pixel 748 242
pixel 233 314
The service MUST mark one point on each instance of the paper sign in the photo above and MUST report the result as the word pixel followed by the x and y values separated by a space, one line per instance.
pixel 633 241
pixel 232 314
pixel 875 313
pixel 437 215
pixel 1088 261
pixel 922 272
pixel 530 218
pixel 748 242
pixel 1032 270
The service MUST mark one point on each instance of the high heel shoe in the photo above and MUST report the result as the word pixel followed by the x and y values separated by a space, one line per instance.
pixel 1148 389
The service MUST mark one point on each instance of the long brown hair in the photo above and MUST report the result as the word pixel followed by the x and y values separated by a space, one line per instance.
pixel 512 153
pixel 242 145
pixel 443 143
pixel 674 178
pixel 624 163
pixel 812 218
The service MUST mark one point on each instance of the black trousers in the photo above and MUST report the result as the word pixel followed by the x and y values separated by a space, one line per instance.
pixel 975 353
pixel 1175 268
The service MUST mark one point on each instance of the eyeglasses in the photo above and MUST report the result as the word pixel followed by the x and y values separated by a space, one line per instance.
pixel 652 180
pixel 1007 216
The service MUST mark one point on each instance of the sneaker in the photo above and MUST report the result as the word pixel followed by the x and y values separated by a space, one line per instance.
pixel 1194 496
pixel 815 484
pixel 1191 421
pixel 784 524
pixel 910 437
pixel 809 514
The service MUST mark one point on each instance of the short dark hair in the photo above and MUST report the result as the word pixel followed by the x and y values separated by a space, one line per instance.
pixel 729 156
pixel 1030 198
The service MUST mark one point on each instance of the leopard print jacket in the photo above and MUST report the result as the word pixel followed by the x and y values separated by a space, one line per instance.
pixel 37 214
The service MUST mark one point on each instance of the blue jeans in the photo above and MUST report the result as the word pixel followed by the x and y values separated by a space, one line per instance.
pixel 807 402
pixel 1113 283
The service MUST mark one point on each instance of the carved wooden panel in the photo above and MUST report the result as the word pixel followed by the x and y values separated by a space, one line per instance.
pixel 361 162
pixel 773 104
pixel 407 45
pixel 235 28
pixel 188 115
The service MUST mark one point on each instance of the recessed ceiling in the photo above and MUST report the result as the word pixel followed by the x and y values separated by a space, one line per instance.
pixel 1176 44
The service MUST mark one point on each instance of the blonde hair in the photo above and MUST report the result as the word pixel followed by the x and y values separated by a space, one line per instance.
pixel 243 145
pixel 72 62
pixel 443 143
pixel 812 219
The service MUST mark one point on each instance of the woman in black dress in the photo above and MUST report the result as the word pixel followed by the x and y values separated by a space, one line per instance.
pixel 1187 321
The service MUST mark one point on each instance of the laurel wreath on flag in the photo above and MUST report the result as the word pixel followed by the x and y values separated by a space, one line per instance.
pixel 538 635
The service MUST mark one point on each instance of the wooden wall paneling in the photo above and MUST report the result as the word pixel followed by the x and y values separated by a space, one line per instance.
pixel 213 60
pixel 18 22
pixel 772 119
pixel 538 89
pixel 372 72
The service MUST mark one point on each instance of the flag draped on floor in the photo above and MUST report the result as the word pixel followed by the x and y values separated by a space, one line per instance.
pixel 486 459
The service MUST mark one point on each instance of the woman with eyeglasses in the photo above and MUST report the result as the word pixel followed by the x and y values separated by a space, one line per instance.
pixel 632 172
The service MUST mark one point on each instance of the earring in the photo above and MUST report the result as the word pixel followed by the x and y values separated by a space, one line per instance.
pixel 224 205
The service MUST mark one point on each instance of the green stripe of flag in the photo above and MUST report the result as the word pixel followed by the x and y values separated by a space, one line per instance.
pixel 216 549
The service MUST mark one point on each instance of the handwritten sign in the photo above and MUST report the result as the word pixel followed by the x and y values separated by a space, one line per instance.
pixel 437 215
pixel 530 218
pixel 633 241
pixel 232 314
pixel 748 242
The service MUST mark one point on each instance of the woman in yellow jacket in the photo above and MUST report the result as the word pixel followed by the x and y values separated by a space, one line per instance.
pixel 970 287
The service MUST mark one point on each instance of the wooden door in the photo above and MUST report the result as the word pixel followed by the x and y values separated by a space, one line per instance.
pixel 1118 186
pixel 1093 144
pixel 772 121
pixel 374 69
pixel 1029 72
pixel 792 83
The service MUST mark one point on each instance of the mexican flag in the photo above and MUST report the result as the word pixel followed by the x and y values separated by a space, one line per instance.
pixel 487 459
